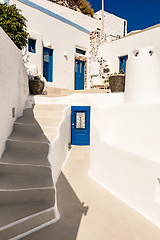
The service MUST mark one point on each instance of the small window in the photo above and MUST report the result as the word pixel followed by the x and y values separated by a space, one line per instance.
pixel 32 45
pixel 122 63
pixel 80 51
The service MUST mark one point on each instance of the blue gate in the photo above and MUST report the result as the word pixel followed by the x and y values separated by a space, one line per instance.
pixel 79 75
pixel 80 125
pixel 48 64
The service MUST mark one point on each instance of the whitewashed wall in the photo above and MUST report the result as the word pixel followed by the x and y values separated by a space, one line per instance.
pixel 89 23
pixel 125 155
pixel 13 86
pixel 59 147
pixel 111 51
pixel 62 37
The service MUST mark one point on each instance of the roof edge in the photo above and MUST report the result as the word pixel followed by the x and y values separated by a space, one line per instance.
pixel 143 30
pixel 50 13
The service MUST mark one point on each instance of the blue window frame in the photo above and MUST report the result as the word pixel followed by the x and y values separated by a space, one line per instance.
pixel 32 45
pixel 80 51
pixel 122 63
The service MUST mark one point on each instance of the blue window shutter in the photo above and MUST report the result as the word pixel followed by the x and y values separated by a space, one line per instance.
pixel 32 45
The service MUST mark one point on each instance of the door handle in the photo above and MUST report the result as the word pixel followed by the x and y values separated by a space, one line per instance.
pixel 73 125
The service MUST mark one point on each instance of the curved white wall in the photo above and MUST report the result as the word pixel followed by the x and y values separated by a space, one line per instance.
pixel 59 147
pixel 142 84
pixel 125 155
pixel 13 86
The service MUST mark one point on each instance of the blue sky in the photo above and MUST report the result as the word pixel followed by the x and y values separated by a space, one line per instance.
pixel 139 14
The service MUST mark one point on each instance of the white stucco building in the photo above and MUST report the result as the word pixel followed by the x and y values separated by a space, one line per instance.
pixel 114 51
pixel 59 41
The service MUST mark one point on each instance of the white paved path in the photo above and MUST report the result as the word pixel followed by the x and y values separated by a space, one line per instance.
pixel 89 212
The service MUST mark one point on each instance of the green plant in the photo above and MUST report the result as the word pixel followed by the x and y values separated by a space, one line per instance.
pixel 85 7
pixel 122 72
pixel 14 24
pixel 37 77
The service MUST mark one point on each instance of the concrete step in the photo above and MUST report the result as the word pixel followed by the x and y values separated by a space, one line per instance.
pixel 34 129
pixel 23 169
pixel 64 92
pixel 40 113
pixel 41 147
pixel 49 107
pixel 57 95
pixel 27 217
pixel 54 90
pixel 52 121
pixel 14 181
pixel 85 91
pixel 33 133
pixel 12 196
pixel 13 156
pixel 27 193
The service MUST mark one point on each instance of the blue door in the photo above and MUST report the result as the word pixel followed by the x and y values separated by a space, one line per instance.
pixel 80 125
pixel 122 63
pixel 48 64
pixel 79 75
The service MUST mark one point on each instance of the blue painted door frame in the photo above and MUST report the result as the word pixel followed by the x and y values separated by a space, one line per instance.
pixel 79 74
pixel 122 63
pixel 80 125
pixel 48 64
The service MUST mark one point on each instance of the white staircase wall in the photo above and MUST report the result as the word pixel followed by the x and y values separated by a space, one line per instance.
pixel 13 86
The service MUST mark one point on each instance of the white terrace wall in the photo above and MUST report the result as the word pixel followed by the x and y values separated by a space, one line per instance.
pixel 115 49
pixel 125 153
pixel 13 86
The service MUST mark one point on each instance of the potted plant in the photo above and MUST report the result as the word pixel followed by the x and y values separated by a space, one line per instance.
pixel 36 84
pixel 117 82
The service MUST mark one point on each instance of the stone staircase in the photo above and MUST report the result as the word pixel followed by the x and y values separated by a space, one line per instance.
pixel 27 193
pixel 57 92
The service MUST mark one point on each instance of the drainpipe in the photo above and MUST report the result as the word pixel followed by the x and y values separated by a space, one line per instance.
pixel 103 15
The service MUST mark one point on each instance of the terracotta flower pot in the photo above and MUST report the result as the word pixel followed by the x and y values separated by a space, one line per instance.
pixel 36 86
pixel 117 83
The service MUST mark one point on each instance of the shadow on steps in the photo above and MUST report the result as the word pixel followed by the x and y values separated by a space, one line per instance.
pixel 71 210
pixel 26 178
